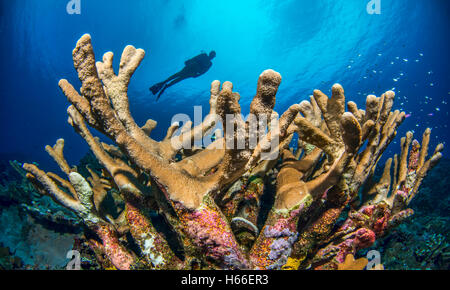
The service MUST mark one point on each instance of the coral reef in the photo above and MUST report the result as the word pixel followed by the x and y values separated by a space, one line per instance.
pixel 419 244
pixel 175 206
pixel 422 242
pixel 35 231
pixel 8 261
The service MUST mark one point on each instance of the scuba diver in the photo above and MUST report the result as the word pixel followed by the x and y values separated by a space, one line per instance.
pixel 193 68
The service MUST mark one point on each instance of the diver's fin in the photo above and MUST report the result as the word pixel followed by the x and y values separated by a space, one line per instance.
pixel 161 91
pixel 154 89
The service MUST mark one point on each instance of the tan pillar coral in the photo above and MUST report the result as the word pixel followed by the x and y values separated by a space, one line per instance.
pixel 410 173
pixel 56 152
pixel 82 204
pixel 378 126
pixel 385 206
pixel 295 195
pixel 85 200
pixel 133 192
pixel 108 111
pixel 207 195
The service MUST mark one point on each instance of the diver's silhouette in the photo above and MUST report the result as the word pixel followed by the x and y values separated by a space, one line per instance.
pixel 193 68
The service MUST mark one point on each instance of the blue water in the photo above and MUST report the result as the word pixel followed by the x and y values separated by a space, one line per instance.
pixel 313 44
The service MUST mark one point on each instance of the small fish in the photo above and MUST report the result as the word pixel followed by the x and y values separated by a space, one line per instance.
pixel 407 115
pixel 430 114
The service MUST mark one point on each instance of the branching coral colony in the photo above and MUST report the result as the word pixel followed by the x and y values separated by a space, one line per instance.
pixel 211 199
